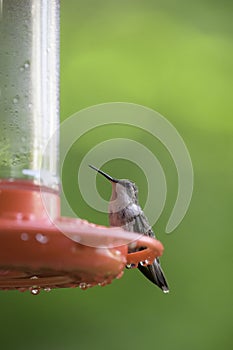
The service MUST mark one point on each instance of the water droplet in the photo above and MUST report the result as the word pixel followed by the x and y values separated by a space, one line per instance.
pixel 34 278
pixel 24 236
pixel 41 238
pixel 35 291
pixel 83 285
pixel 26 64
pixel 131 266
pixel 165 290
pixel 16 99
pixel 102 284
pixel 117 252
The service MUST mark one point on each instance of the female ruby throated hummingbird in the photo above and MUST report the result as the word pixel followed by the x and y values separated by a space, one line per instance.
pixel 125 211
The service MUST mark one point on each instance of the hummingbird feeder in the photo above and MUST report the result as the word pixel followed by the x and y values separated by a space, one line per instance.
pixel 37 252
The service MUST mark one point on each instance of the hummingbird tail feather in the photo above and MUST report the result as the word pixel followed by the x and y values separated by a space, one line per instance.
pixel 155 274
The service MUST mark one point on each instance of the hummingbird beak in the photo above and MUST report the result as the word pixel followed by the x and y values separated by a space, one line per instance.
pixel 110 178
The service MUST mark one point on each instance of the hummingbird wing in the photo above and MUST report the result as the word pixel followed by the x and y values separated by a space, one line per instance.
pixel 132 219
pixel 153 272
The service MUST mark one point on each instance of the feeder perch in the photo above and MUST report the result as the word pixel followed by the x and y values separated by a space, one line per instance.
pixel 37 252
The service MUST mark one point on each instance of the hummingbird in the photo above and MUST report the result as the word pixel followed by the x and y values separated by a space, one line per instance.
pixel 125 211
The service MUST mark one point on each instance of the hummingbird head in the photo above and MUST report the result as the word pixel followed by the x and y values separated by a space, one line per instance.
pixel 124 191
pixel 129 189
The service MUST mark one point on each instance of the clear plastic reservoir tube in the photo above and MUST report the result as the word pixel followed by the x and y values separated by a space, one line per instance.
pixel 29 90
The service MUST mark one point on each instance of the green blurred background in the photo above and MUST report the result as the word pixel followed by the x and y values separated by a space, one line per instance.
pixel 175 57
